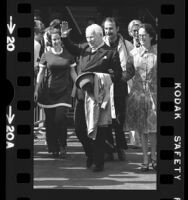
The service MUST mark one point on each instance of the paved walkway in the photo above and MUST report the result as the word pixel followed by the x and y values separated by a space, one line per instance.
pixel 71 173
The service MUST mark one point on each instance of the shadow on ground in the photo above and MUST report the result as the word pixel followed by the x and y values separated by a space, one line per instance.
pixel 71 173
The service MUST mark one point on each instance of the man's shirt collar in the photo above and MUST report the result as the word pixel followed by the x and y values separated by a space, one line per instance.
pixel 95 49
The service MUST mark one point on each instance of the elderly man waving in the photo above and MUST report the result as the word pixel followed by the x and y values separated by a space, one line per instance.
pixel 94 56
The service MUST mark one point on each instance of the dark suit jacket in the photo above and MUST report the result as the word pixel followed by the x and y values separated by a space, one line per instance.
pixel 103 59
pixel 100 61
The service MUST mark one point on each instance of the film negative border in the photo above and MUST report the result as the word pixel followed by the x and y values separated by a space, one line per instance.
pixel 170 100
pixel 19 134
pixel 19 113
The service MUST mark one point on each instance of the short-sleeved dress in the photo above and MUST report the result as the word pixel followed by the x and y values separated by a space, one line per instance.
pixel 56 90
pixel 141 112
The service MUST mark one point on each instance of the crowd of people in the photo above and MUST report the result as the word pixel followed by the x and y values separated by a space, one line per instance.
pixel 114 87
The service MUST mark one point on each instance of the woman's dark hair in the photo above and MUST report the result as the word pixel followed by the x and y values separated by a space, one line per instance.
pixel 150 30
pixel 112 20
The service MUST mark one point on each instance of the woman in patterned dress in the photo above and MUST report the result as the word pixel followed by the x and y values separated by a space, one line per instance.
pixel 142 100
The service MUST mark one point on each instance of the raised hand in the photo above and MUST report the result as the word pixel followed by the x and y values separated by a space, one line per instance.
pixel 65 30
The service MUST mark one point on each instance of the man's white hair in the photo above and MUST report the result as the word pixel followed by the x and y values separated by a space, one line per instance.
pixel 95 28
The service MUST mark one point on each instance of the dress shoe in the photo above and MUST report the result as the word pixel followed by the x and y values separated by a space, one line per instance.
pixel 89 162
pixel 144 167
pixel 55 154
pixel 154 164
pixel 63 152
pixel 98 168
pixel 109 157
pixel 121 154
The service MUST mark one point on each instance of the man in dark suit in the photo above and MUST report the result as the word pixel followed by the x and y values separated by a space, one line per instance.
pixel 94 56
pixel 115 40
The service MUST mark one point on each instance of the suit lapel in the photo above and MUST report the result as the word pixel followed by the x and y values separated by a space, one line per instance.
pixel 99 55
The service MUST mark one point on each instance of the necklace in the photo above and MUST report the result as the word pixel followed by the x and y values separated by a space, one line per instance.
pixel 57 53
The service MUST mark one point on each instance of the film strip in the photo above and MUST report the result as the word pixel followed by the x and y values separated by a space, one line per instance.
pixel 171 104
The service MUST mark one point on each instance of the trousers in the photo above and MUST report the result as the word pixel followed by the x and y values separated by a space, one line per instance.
pixel 56 128
pixel 94 149
pixel 120 100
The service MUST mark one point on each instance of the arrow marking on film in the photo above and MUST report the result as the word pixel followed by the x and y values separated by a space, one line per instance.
pixel 10 117
pixel 11 26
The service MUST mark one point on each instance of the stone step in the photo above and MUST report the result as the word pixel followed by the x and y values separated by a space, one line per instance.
pixel 40 136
